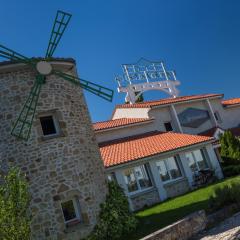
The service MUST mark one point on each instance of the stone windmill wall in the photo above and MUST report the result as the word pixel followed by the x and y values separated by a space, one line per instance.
pixel 58 168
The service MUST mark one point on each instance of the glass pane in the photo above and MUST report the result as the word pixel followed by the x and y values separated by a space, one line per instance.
pixel 173 168
pixel 68 210
pixel 130 180
pixel 201 161
pixel 142 177
pixel 162 170
pixel 191 162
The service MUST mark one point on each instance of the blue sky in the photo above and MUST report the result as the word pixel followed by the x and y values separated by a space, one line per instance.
pixel 199 39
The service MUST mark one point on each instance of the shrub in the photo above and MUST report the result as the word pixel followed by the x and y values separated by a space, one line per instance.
pixel 225 196
pixel 115 219
pixel 231 170
pixel 230 147
pixel 14 203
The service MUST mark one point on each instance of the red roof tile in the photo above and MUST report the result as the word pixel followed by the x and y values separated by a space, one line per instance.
pixel 165 101
pixel 136 147
pixel 118 123
pixel 231 102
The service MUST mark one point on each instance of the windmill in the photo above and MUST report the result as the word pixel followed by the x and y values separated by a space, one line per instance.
pixel 23 124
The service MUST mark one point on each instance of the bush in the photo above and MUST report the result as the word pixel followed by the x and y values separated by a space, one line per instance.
pixel 14 203
pixel 231 170
pixel 225 196
pixel 230 147
pixel 115 219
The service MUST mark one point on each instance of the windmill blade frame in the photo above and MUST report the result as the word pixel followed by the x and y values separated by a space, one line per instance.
pixel 23 124
pixel 13 55
pixel 103 92
pixel 60 24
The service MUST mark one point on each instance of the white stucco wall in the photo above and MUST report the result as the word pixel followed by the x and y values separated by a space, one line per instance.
pixel 230 116
pixel 198 105
pixel 126 131
pixel 130 113
pixel 162 115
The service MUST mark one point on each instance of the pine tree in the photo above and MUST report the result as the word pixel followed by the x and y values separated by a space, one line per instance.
pixel 115 219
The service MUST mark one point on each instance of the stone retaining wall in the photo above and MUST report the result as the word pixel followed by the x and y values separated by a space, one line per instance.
pixel 181 230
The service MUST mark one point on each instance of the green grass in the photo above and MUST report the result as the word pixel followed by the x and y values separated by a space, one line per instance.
pixel 168 212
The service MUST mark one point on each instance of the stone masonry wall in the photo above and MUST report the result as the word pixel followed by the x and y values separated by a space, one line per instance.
pixel 58 168
pixel 181 230
pixel 145 199
pixel 177 188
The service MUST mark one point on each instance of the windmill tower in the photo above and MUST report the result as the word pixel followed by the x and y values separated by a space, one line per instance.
pixel 46 131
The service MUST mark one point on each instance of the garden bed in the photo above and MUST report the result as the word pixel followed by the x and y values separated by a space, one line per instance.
pixel 170 211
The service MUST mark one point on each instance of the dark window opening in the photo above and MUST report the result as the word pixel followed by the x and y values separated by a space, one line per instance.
pixel 68 211
pixel 48 125
pixel 168 126
pixel 217 117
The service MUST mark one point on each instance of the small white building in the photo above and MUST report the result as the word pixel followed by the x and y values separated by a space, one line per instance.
pixel 153 149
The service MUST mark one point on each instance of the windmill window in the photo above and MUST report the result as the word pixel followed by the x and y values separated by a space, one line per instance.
pixel 71 211
pixel 48 124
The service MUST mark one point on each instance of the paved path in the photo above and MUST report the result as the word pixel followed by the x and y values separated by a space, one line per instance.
pixel 227 230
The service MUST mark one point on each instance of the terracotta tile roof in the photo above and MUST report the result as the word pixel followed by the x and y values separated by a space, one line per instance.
pixel 136 147
pixel 231 102
pixel 165 101
pixel 118 123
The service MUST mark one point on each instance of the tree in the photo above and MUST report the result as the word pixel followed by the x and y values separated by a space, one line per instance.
pixel 139 99
pixel 230 146
pixel 115 218
pixel 14 203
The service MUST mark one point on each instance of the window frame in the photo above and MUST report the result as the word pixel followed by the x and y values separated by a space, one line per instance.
pixel 196 162
pixel 140 189
pixel 76 206
pixel 177 161
pixel 57 118
pixel 55 123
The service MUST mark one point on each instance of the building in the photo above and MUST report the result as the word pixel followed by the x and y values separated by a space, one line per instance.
pixel 61 158
pixel 153 149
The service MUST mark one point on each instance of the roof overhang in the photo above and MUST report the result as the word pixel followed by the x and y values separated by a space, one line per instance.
pixel 188 101
pixel 63 64
pixel 125 126
pixel 161 155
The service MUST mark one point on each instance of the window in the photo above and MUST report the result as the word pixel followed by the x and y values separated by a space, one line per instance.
pixel 196 160
pixel 111 177
pixel 48 125
pixel 169 169
pixel 71 211
pixel 137 178
pixel 168 126
pixel 217 117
